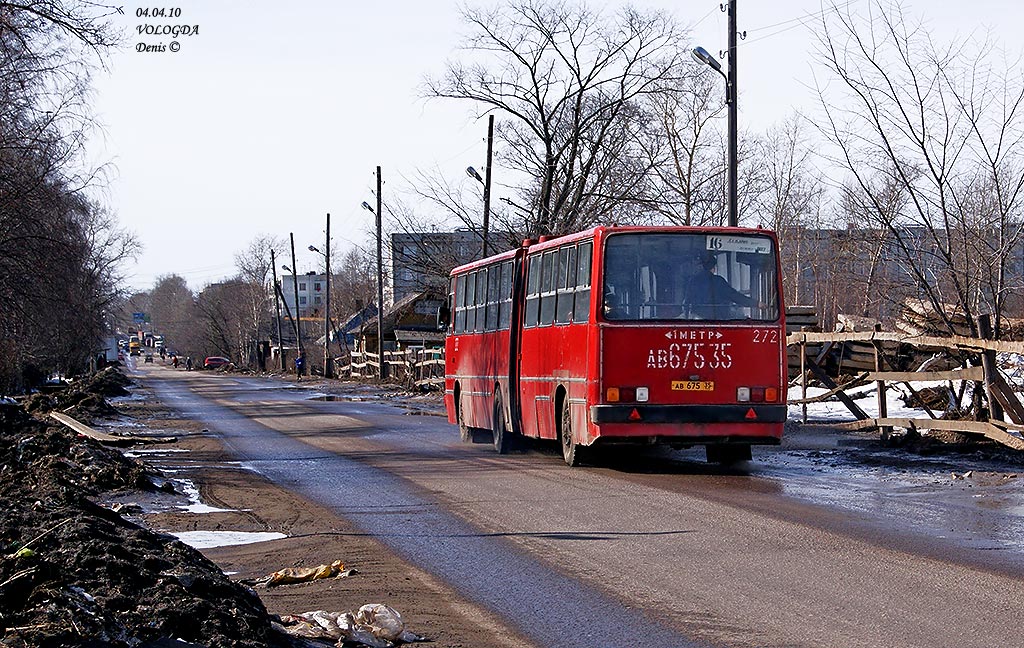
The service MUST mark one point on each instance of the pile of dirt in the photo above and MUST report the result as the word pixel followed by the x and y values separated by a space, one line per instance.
pixel 74 573
pixel 85 398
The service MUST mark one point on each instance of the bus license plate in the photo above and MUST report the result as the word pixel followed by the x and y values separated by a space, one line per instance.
pixel 693 385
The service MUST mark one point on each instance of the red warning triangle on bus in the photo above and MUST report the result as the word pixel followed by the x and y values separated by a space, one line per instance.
pixel 634 415
pixel 751 414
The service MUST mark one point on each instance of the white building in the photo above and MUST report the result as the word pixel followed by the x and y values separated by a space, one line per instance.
pixel 312 294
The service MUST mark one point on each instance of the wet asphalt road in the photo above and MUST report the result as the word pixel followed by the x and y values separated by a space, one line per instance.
pixel 644 550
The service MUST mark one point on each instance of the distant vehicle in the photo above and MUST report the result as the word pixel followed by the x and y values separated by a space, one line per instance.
pixel 134 348
pixel 149 357
pixel 110 350
pixel 215 362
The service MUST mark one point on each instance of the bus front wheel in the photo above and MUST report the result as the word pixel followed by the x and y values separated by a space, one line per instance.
pixel 571 450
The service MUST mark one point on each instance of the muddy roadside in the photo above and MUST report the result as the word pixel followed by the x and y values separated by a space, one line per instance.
pixel 314 536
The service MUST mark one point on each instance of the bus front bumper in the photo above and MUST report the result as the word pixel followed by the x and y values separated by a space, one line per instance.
pixel 639 413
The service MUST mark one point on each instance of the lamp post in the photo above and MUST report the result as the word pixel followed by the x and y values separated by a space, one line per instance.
pixel 701 55
pixel 486 182
pixel 380 280
pixel 328 365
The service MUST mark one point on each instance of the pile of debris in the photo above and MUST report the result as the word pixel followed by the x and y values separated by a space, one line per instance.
pixel 85 398
pixel 920 317
pixel 75 573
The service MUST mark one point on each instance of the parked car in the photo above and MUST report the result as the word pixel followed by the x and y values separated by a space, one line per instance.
pixel 215 362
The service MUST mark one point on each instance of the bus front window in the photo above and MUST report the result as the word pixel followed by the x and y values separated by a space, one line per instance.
pixel 690 277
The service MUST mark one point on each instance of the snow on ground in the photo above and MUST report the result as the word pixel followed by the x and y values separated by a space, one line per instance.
pixel 210 539
pixel 195 504
pixel 833 410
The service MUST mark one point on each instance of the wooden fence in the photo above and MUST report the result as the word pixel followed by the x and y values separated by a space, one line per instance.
pixel 1000 395
pixel 422 368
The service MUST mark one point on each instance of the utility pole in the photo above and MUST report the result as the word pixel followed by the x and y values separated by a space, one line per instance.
pixel 487 180
pixel 277 309
pixel 733 98
pixel 328 365
pixel 298 316
pixel 380 285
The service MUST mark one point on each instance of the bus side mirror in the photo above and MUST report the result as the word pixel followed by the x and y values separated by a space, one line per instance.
pixel 443 316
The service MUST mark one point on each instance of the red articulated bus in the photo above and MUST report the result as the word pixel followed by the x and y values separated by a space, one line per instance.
pixel 621 334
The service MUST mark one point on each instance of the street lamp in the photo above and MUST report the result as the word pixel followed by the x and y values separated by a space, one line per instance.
pixel 328 365
pixel 380 279
pixel 701 55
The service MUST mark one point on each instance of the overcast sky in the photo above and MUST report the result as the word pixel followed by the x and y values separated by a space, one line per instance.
pixel 276 113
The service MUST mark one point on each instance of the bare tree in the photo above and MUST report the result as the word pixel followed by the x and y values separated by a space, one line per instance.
pixel 254 267
pixel 223 320
pixel 172 310
pixel 568 83
pixel 944 124
pixel 687 152
pixel 59 250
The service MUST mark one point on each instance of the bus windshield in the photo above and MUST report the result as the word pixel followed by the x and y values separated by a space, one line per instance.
pixel 681 276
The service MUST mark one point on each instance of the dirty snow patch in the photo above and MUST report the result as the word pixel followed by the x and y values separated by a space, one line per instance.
pixel 210 539
pixel 196 504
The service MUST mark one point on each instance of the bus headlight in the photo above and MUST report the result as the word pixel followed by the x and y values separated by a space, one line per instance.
pixel 641 395
pixel 743 394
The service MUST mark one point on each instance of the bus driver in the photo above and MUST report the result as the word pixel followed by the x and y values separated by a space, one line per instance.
pixel 710 296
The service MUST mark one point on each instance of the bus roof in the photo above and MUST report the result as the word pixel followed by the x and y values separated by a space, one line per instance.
pixel 599 231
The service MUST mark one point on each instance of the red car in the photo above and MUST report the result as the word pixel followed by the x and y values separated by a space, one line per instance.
pixel 215 362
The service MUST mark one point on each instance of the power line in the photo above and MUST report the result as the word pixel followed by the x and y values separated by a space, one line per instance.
pixel 799 21
pixel 706 16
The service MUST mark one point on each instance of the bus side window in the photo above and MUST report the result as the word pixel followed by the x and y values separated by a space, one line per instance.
pixel 460 301
pixel 532 291
pixel 547 288
pixel 566 284
pixel 505 295
pixel 481 299
pixel 493 283
pixel 581 312
pixel 470 302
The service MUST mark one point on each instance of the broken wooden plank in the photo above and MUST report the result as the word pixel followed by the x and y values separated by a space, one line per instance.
pixel 955 341
pixel 969 373
pixel 1006 397
pixel 858 381
pixel 841 395
pixel 103 437
pixel 989 429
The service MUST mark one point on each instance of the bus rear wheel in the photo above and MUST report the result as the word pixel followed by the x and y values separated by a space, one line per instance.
pixel 572 452
pixel 502 436
pixel 727 455
pixel 466 434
